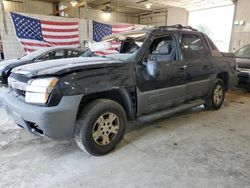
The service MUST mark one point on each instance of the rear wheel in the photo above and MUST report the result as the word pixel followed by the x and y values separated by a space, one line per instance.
pixel 100 126
pixel 217 97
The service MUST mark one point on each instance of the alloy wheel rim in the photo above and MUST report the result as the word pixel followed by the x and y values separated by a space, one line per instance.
pixel 105 129
pixel 218 94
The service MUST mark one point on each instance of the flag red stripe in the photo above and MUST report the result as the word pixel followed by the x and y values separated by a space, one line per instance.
pixel 60 37
pixel 50 44
pixel 114 32
pixel 59 30
pixel 35 44
pixel 121 26
pixel 64 43
pixel 59 23
pixel 29 50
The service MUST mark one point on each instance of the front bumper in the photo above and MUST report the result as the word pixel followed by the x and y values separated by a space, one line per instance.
pixel 244 80
pixel 53 122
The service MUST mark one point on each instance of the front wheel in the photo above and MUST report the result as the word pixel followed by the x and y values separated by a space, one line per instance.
pixel 100 126
pixel 216 100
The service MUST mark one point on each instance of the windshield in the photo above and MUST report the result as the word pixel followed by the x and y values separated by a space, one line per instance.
pixel 119 46
pixel 243 52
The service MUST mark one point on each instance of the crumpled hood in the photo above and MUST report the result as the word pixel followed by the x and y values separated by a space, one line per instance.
pixel 63 66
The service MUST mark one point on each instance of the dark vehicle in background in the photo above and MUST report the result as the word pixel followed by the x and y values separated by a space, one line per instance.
pixel 158 72
pixel 243 60
pixel 37 56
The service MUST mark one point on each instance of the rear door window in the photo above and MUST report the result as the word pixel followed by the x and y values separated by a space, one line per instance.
pixel 58 54
pixel 194 46
pixel 214 50
pixel 72 53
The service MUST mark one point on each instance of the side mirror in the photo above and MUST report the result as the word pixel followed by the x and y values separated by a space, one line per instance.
pixel 151 69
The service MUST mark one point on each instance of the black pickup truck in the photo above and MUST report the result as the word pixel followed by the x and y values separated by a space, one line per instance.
pixel 157 72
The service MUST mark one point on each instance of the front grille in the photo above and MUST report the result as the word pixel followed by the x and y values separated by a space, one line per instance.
pixel 19 92
pixel 20 77
pixel 17 84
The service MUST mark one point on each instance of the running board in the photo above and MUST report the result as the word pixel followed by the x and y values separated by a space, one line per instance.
pixel 170 111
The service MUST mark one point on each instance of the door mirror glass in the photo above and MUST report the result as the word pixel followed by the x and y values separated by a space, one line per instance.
pixel 152 68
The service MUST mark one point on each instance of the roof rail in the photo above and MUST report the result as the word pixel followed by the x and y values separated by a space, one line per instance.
pixel 178 26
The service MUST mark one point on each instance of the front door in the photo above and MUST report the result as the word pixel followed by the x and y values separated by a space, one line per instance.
pixel 161 76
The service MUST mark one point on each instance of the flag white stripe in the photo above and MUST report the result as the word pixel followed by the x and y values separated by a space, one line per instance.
pixel 50 40
pixel 32 41
pixel 60 33
pixel 38 47
pixel 62 40
pixel 59 26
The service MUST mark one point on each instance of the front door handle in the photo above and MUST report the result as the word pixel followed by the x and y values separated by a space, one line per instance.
pixel 182 68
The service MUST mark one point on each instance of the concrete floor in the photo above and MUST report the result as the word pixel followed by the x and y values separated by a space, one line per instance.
pixel 197 148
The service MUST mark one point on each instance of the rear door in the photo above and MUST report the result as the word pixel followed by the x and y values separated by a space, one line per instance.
pixel 198 59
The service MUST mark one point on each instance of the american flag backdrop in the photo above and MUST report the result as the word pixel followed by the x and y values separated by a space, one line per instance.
pixel 101 30
pixel 34 34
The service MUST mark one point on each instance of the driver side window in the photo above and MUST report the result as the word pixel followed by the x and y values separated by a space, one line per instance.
pixel 163 50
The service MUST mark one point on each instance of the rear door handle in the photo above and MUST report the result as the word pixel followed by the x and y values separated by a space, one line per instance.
pixel 205 67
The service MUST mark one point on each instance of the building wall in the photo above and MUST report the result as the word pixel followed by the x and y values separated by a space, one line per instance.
pixel 241 33
pixel 28 6
pixel 37 9
pixel 92 14
pixel 172 16
pixel 154 19
pixel 46 8
pixel 12 48
pixel 177 16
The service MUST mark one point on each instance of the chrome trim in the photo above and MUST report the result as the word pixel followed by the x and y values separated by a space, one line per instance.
pixel 16 71
pixel 244 70
pixel 15 84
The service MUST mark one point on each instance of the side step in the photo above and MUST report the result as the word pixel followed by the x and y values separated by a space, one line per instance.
pixel 170 111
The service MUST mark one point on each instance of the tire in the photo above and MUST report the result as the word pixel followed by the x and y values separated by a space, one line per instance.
pixel 100 127
pixel 217 97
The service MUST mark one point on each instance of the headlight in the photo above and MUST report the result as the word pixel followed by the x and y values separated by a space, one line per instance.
pixel 38 90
